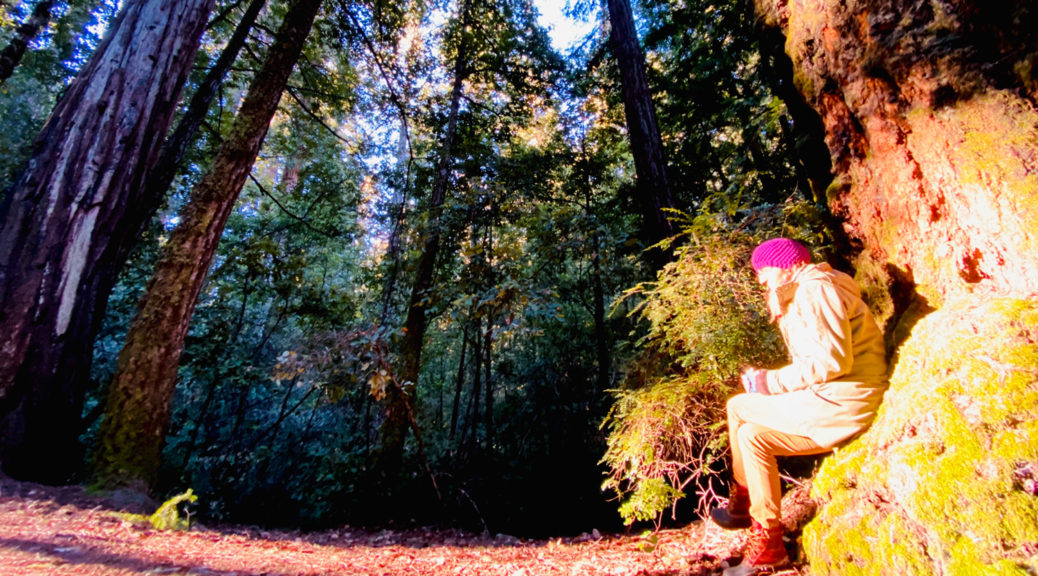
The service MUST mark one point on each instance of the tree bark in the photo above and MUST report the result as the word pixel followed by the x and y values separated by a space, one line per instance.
pixel 138 405
pixel 653 187
pixel 161 177
pixel 65 218
pixel 12 54
pixel 930 120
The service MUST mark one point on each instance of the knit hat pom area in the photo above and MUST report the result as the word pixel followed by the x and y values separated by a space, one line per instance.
pixel 779 253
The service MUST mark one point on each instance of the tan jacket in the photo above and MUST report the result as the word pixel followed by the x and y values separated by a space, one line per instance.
pixel 835 382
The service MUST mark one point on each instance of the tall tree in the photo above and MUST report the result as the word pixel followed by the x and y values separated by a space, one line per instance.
pixel 654 191
pixel 173 151
pixel 400 397
pixel 138 404
pixel 68 212
pixel 499 64
pixel 12 54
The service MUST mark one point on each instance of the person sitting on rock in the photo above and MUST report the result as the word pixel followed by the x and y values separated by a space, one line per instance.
pixel 829 392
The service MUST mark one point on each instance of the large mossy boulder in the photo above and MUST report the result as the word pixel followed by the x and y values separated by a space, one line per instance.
pixel 946 480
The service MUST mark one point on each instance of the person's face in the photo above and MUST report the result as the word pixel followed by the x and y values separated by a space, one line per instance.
pixel 771 277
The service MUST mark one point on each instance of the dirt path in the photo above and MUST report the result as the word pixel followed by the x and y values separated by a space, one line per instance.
pixel 65 532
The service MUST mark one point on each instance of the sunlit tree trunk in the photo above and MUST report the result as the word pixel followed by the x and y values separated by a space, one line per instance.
pixel 931 143
pixel 12 54
pixel 654 193
pixel 66 218
pixel 138 405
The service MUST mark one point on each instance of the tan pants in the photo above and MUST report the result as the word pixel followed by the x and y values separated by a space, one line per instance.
pixel 754 448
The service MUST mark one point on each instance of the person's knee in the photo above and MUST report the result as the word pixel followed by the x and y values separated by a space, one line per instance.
pixel 734 404
pixel 749 437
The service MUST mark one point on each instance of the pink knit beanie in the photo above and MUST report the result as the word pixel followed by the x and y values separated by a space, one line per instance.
pixel 779 253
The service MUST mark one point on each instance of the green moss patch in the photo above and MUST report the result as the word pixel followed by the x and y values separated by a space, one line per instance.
pixel 168 516
pixel 945 480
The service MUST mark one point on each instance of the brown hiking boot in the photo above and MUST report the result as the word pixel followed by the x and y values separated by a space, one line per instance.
pixel 737 514
pixel 764 554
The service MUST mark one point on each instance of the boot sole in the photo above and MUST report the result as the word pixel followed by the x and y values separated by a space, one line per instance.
pixel 740 570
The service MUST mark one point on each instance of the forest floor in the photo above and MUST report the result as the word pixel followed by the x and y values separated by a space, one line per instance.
pixel 64 531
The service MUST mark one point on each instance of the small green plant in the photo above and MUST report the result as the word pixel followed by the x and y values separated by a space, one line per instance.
pixel 650 542
pixel 706 321
pixel 168 517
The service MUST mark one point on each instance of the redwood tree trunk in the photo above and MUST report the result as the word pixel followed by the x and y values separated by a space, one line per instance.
pixel 654 193
pixel 138 405
pixel 931 120
pixel 173 151
pixel 66 217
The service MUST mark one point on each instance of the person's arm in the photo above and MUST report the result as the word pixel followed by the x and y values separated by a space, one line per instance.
pixel 819 340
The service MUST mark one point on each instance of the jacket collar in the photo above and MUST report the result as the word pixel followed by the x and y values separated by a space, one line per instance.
pixel 780 298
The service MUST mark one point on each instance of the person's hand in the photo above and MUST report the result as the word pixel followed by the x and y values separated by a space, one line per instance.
pixel 754 380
